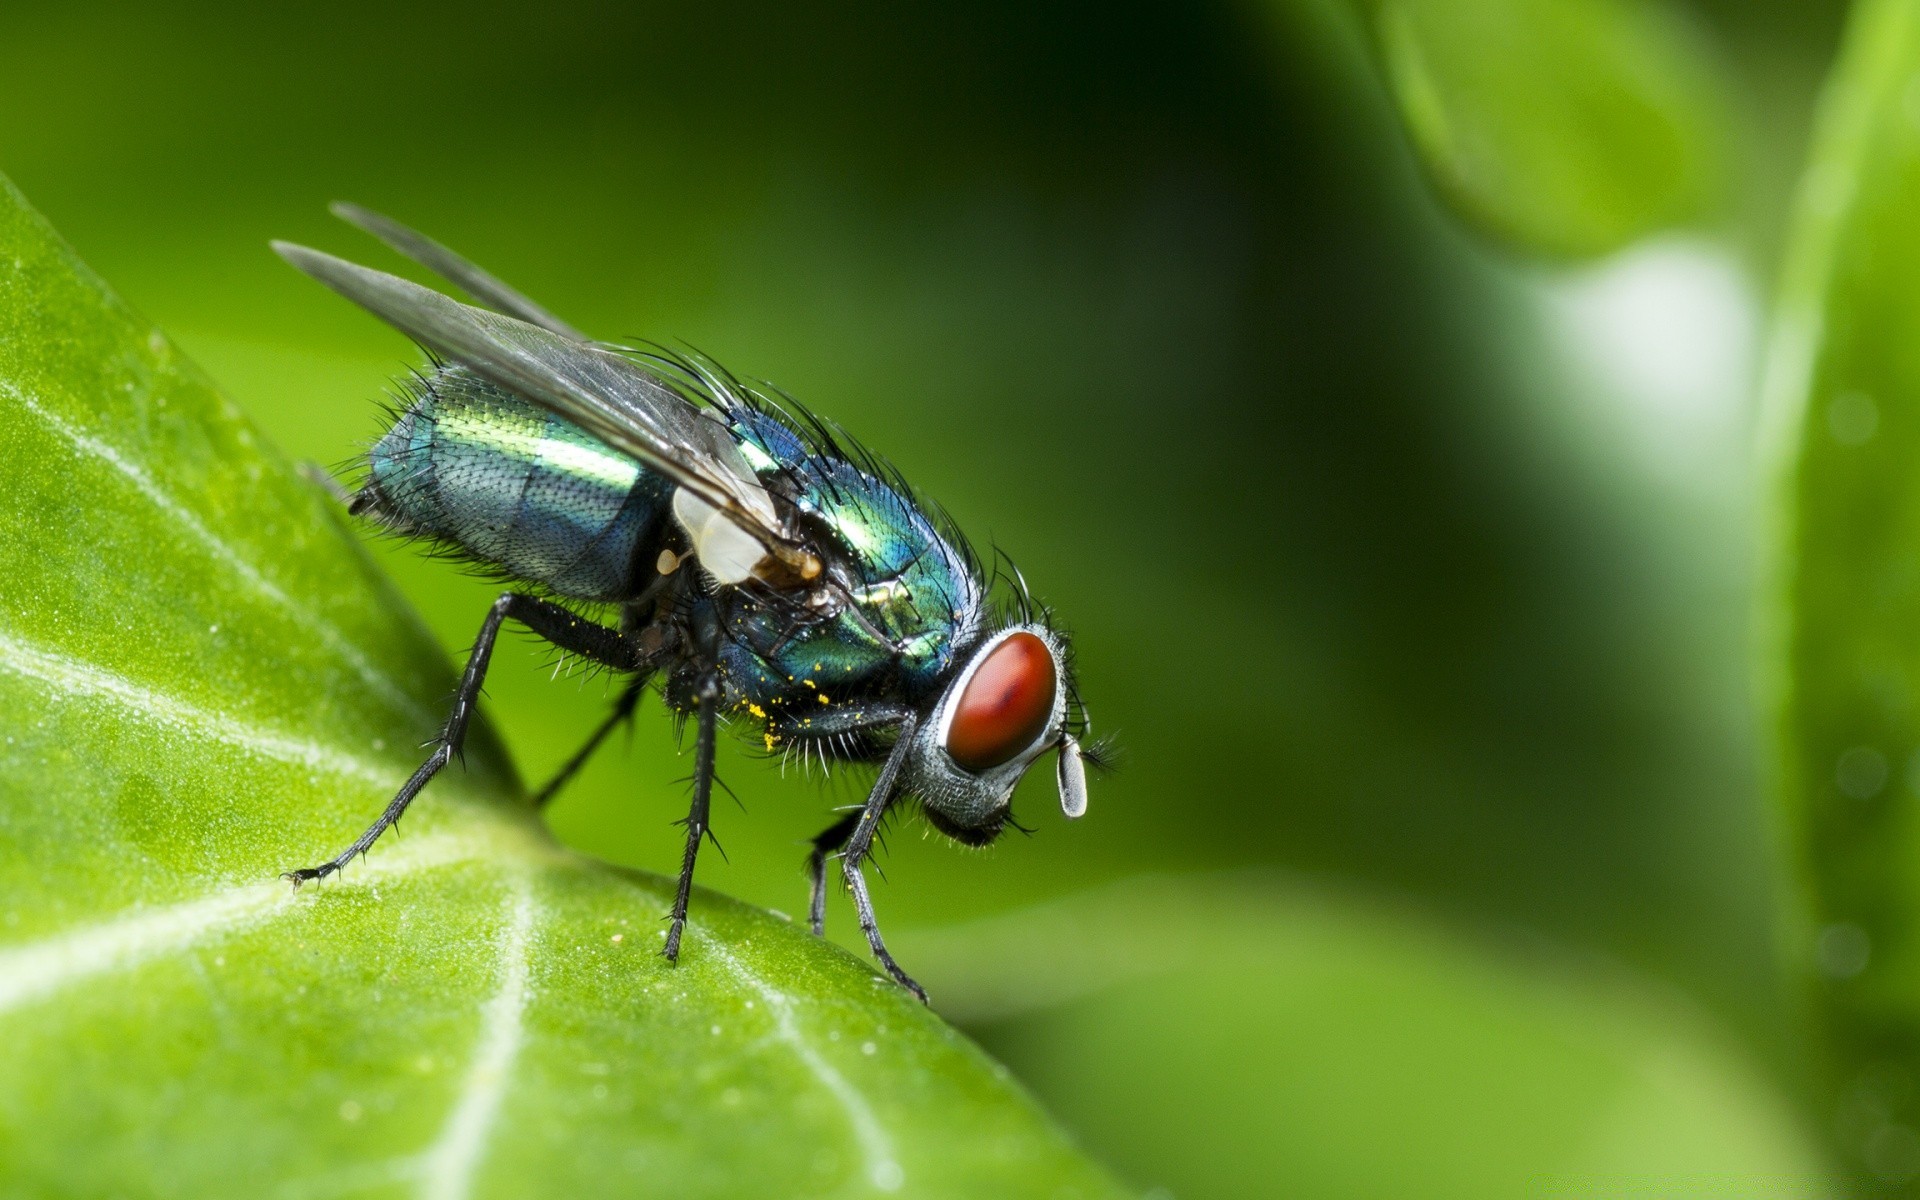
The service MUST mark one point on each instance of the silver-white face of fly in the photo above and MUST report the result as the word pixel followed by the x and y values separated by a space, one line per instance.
pixel 1006 708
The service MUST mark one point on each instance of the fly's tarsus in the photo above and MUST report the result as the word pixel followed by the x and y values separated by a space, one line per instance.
pixel 556 624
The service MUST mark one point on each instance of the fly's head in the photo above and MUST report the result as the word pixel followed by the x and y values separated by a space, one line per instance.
pixel 1009 703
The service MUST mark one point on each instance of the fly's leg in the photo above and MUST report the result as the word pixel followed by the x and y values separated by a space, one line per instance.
pixel 696 822
pixel 545 618
pixel 861 843
pixel 622 712
pixel 825 842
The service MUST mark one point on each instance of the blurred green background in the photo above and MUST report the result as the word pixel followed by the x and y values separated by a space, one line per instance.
pixel 1408 541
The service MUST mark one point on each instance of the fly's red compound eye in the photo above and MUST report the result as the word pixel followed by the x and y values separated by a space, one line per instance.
pixel 1005 705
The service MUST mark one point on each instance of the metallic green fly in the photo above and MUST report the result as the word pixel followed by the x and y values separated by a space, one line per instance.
pixel 765 570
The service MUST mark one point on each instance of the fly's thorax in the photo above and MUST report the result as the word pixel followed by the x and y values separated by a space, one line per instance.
pixel 516 487
pixel 816 686
pixel 895 579
pixel 898 581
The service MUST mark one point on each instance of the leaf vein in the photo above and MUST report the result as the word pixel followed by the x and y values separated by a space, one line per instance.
pixel 876 1148
pixel 456 1154
pixel 180 514
pixel 73 675
pixel 34 970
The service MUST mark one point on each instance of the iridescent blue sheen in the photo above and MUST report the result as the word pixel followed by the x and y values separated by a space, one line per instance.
pixel 916 588
pixel 508 483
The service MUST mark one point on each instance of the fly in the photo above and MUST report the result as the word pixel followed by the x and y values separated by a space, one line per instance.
pixel 765 571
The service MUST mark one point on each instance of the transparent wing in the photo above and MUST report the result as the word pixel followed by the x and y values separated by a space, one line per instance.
pixel 476 282
pixel 604 393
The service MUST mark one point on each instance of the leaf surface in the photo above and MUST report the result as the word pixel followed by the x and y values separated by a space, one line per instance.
pixel 203 683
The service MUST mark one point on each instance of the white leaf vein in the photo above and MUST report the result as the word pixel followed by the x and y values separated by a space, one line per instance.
pixel 876 1148
pixel 454 1157
pixel 35 970
pixel 185 518
pixel 70 676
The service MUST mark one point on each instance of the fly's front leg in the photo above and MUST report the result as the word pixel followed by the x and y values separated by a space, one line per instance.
pixel 622 712
pixel 825 842
pixel 861 843
pixel 557 625
pixel 696 822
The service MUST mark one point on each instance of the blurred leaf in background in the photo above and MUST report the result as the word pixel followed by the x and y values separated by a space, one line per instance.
pixel 1352 1048
pixel 1394 561
pixel 1562 127
pixel 1845 385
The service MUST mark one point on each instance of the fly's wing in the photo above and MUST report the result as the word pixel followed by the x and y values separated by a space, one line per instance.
pixel 469 278
pixel 606 394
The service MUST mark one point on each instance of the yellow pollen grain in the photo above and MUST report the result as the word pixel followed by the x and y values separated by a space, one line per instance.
pixel 823 698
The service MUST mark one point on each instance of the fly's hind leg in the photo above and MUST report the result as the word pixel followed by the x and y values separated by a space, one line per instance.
pixel 622 713
pixel 825 842
pixel 549 620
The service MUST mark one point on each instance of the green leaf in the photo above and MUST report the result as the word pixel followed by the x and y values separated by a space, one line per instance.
pixel 203 683
pixel 1407 1057
pixel 1562 127
pixel 1843 388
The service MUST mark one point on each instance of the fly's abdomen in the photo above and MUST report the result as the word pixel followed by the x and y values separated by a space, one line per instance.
pixel 513 485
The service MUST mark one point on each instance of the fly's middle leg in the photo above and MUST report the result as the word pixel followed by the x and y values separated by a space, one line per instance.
pixel 860 843
pixel 696 822
pixel 551 621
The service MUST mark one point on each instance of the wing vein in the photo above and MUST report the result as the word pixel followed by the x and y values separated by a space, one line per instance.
pixel 482 285
pixel 605 393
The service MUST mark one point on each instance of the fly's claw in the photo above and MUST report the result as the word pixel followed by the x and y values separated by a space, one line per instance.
pixel 305 874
